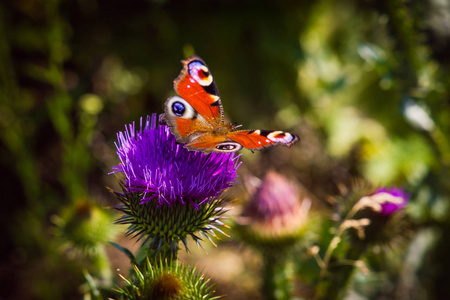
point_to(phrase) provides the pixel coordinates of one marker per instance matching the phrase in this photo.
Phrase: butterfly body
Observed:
(197, 120)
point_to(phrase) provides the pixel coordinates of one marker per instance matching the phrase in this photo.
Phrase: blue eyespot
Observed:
(178, 108)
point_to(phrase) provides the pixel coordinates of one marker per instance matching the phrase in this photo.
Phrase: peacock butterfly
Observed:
(196, 117)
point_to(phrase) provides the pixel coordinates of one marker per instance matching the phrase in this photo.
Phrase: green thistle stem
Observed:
(335, 241)
(334, 284)
(337, 269)
(166, 253)
(276, 277)
(100, 265)
(333, 287)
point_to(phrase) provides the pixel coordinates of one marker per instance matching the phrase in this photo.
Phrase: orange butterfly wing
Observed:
(196, 85)
(258, 139)
(184, 121)
(209, 142)
(235, 140)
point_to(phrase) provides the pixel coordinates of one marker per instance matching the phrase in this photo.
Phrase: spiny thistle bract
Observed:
(169, 192)
(166, 225)
(166, 281)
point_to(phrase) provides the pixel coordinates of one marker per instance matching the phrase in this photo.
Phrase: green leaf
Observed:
(93, 287)
(126, 252)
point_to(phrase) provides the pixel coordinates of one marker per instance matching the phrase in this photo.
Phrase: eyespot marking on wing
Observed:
(258, 139)
(228, 147)
(200, 73)
(281, 137)
(275, 136)
(178, 107)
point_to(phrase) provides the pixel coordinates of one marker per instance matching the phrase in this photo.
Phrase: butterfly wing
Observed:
(258, 139)
(211, 142)
(234, 141)
(195, 84)
(185, 123)
(199, 109)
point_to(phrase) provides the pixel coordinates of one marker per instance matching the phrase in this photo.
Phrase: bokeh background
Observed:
(364, 83)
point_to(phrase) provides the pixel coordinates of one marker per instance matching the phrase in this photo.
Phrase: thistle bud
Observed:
(166, 281)
(274, 215)
(272, 222)
(82, 229)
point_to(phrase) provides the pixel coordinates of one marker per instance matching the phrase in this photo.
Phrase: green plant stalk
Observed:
(166, 253)
(402, 25)
(335, 241)
(75, 159)
(334, 283)
(11, 131)
(277, 277)
(338, 268)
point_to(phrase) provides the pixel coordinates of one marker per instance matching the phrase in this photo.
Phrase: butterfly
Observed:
(196, 116)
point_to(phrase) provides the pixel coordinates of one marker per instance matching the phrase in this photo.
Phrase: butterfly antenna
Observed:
(236, 126)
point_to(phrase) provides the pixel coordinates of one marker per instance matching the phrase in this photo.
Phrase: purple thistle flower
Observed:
(156, 165)
(275, 208)
(396, 199)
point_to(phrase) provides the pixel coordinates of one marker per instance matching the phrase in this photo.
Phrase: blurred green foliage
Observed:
(364, 83)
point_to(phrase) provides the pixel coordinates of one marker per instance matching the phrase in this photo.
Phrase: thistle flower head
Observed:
(274, 214)
(169, 192)
(374, 217)
(157, 166)
(391, 199)
(275, 202)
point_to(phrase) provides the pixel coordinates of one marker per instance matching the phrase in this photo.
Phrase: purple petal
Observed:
(388, 208)
(155, 164)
